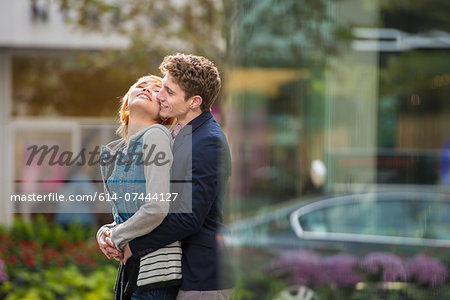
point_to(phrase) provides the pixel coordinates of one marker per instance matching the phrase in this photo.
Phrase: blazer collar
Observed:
(190, 127)
(197, 122)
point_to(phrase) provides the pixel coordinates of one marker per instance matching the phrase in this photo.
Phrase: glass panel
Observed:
(436, 219)
(411, 217)
(371, 218)
(314, 221)
(360, 87)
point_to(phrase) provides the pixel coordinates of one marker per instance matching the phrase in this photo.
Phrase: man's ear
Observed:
(196, 102)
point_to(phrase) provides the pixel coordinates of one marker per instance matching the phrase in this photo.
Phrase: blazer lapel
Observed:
(178, 142)
(186, 131)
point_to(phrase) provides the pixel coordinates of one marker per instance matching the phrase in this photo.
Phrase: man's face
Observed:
(171, 98)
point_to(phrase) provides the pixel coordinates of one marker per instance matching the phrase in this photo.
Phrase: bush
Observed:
(42, 260)
(338, 276)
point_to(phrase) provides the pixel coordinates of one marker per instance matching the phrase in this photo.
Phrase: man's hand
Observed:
(126, 254)
(107, 246)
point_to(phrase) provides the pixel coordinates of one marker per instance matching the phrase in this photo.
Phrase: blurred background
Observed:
(337, 114)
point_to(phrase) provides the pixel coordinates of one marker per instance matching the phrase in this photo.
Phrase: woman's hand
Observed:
(107, 246)
(126, 254)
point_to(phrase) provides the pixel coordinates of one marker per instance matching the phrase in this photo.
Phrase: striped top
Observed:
(159, 268)
(161, 265)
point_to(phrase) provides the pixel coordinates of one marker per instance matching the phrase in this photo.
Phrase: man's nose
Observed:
(159, 96)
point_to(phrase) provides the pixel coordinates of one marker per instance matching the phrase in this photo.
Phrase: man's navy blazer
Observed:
(206, 179)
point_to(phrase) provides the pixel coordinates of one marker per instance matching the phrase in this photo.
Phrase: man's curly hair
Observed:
(196, 75)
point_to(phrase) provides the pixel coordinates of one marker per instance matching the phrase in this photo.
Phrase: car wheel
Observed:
(297, 292)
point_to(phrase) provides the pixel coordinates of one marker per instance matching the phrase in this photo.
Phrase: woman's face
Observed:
(142, 98)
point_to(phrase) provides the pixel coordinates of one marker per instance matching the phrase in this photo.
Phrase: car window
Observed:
(435, 217)
(412, 218)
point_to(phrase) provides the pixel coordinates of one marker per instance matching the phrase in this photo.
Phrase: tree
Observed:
(90, 83)
(157, 27)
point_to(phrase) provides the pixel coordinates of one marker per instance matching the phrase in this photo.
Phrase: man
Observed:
(190, 86)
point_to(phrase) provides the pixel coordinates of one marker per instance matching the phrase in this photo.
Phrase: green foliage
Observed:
(270, 287)
(273, 33)
(158, 26)
(57, 283)
(45, 261)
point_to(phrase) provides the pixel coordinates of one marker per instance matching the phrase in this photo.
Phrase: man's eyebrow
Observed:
(169, 89)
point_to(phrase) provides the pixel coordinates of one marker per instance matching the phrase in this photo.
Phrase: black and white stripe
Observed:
(161, 265)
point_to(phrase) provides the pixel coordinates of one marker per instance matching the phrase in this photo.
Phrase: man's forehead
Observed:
(169, 81)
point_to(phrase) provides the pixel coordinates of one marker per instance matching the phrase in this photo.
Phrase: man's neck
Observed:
(191, 115)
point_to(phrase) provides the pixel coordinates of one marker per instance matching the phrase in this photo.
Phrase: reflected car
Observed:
(349, 241)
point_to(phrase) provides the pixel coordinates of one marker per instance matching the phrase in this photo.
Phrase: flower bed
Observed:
(376, 275)
(42, 260)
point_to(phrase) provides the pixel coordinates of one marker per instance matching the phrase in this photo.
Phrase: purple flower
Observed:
(339, 269)
(389, 265)
(426, 270)
(304, 266)
(3, 275)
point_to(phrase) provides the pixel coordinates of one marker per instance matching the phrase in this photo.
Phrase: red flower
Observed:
(12, 260)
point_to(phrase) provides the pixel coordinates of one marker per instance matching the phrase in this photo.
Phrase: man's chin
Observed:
(164, 116)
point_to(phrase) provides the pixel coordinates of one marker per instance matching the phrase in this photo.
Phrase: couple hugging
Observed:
(165, 235)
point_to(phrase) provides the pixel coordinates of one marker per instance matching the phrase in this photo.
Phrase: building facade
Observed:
(40, 53)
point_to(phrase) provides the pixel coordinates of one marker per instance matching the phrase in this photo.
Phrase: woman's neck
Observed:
(135, 124)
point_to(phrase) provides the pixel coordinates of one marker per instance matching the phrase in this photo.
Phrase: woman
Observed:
(135, 184)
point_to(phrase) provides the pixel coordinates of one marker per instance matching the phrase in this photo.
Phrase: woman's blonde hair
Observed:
(124, 113)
